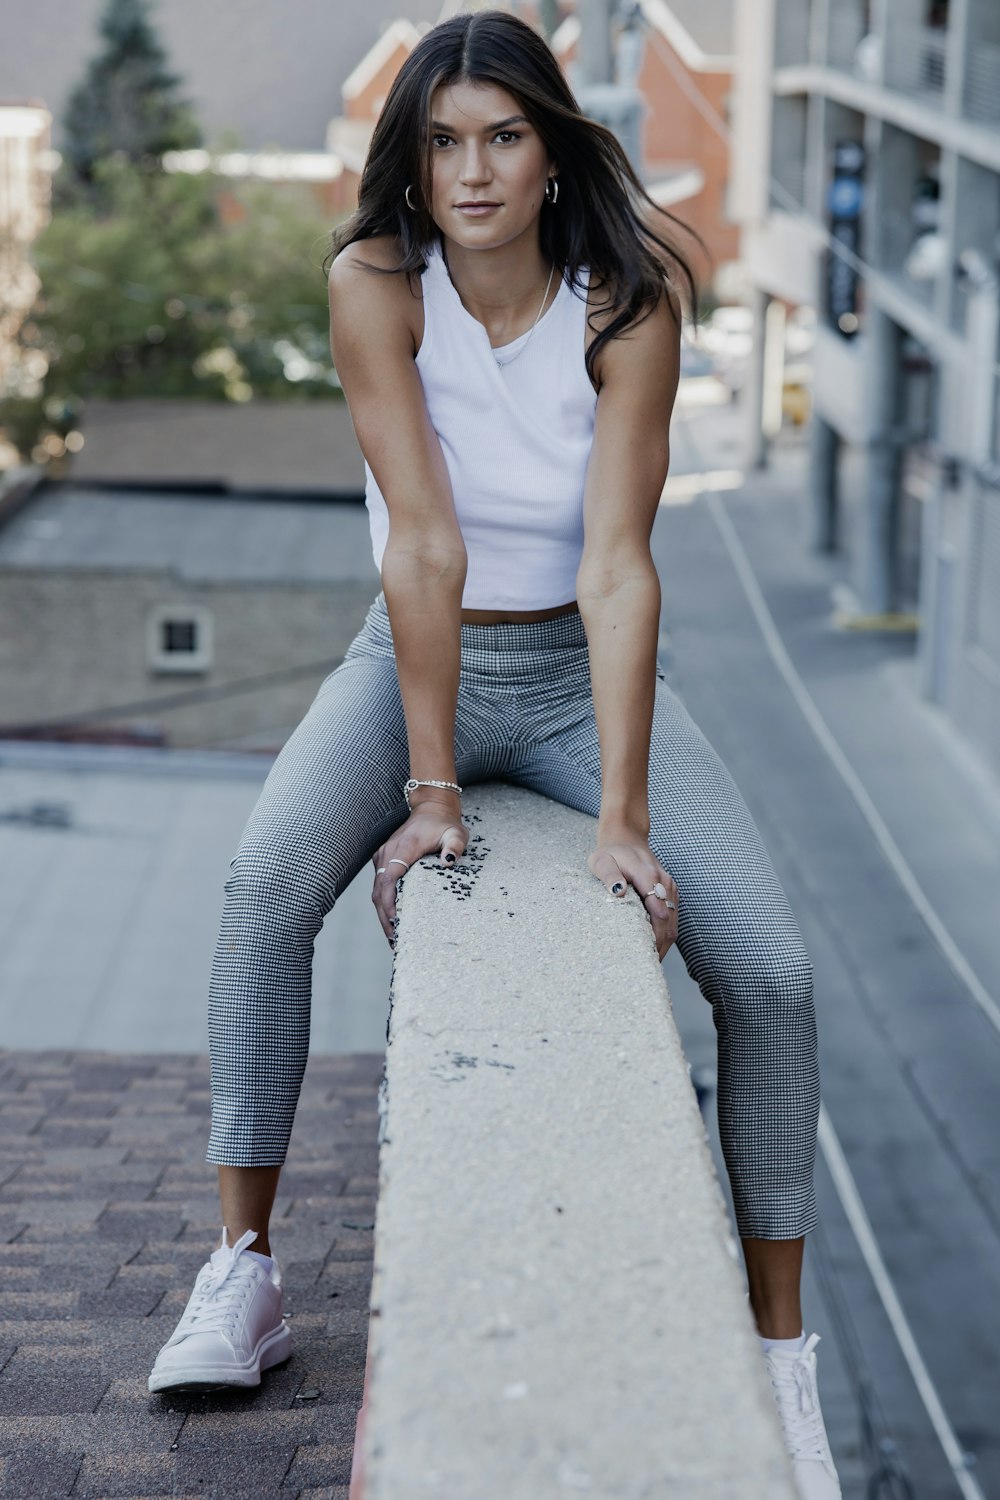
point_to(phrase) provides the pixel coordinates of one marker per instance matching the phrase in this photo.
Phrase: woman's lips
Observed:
(477, 210)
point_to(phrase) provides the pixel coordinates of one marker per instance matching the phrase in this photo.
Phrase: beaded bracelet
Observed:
(413, 783)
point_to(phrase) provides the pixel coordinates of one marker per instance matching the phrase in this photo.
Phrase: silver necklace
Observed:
(500, 363)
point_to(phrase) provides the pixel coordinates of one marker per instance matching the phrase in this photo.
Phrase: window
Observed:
(179, 638)
(180, 635)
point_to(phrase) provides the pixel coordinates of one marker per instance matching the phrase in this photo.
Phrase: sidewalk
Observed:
(106, 1214)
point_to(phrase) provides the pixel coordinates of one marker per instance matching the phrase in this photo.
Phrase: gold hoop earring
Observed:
(406, 195)
(553, 183)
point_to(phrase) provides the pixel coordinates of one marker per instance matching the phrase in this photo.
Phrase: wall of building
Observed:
(75, 643)
(911, 394)
(675, 131)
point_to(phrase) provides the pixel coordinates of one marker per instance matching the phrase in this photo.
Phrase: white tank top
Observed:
(516, 442)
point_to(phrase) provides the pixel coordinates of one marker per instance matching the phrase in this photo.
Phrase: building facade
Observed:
(175, 616)
(866, 181)
(679, 58)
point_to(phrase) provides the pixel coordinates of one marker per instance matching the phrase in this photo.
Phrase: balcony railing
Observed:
(982, 84)
(899, 254)
(788, 184)
(791, 42)
(915, 60)
(846, 29)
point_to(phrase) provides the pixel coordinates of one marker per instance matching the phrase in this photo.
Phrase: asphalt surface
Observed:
(910, 1062)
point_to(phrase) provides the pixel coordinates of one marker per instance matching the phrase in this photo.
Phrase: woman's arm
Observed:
(424, 565)
(618, 589)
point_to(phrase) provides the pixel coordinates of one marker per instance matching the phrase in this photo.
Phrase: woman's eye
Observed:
(501, 135)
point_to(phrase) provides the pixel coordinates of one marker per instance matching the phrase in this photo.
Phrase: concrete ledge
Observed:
(556, 1304)
(16, 488)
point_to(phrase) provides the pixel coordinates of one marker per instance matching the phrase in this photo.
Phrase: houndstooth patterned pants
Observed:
(525, 715)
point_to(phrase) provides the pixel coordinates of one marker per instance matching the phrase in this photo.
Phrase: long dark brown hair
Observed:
(604, 216)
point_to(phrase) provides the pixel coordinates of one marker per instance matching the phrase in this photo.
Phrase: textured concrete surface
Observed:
(556, 1303)
(106, 1213)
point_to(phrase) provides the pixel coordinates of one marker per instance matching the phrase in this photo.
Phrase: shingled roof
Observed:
(106, 1213)
(252, 445)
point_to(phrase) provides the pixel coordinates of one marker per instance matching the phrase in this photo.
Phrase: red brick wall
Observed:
(675, 132)
(676, 135)
(367, 104)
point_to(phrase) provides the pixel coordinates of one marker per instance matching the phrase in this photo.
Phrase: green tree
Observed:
(127, 101)
(155, 296)
(550, 17)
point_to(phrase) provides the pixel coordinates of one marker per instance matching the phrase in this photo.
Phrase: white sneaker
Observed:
(793, 1380)
(232, 1327)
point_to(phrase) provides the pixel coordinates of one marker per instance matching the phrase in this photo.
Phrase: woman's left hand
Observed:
(628, 858)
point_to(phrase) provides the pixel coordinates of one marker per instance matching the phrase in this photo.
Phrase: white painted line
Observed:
(821, 730)
(850, 1198)
(680, 488)
(833, 1153)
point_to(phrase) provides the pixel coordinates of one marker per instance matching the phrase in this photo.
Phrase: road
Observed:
(905, 824)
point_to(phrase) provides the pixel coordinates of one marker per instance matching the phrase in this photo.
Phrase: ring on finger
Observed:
(659, 889)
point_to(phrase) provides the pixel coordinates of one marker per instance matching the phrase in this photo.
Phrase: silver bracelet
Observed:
(413, 783)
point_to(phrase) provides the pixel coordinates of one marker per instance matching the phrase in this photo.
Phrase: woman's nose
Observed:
(475, 167)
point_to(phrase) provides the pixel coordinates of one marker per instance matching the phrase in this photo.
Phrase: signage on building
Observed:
(844, 205)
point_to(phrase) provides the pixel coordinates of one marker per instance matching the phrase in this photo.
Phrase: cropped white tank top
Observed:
(516, 442)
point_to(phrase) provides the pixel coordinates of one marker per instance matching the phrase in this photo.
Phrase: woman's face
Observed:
(489, 166)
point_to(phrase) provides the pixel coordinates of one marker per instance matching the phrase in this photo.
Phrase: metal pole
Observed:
(824, 464)
(752, 395)
(884, 463)
(596, 61)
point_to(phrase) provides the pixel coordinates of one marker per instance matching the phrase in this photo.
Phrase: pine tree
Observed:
(550, 16)
(127, 101)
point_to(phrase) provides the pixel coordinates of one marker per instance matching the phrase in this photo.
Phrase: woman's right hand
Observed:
(434, 826)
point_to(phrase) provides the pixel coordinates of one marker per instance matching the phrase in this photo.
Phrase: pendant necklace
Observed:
(500, 363)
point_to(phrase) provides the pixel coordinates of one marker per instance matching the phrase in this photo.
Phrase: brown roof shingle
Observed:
(99, 1243)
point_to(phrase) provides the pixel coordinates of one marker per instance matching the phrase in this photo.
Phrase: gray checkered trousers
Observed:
(525, 714)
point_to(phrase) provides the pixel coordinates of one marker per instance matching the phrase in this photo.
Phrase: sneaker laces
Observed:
(219, 1292)
(794, 1382)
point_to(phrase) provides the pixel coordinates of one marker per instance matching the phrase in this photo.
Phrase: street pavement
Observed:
(910, 1061)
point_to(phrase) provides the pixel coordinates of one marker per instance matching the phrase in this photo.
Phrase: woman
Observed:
(505, 326)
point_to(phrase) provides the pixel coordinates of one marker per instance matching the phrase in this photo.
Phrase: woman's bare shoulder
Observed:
(360, 289)
(382, 251)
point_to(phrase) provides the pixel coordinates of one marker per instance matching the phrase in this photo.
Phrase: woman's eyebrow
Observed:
(487, 129)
